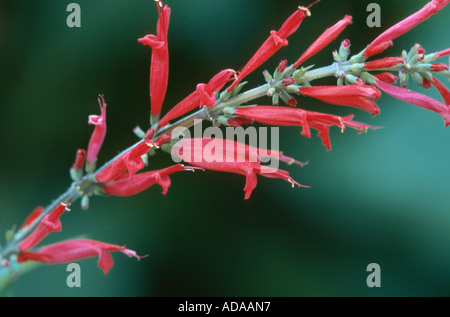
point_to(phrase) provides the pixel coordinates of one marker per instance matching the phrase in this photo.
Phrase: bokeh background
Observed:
(379, 197)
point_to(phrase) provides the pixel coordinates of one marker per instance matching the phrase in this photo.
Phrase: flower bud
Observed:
(417, 78)
(228, 111)
(404, 79)
(275, 99)
(288, 81)
(438, 67)
(287, 98)
(357, 67)
(271, 91)
(352, 79)
(85, 202)
(280, 69)
(288, 71)
(336, 56)
(344, 49)
(298, 74)
(139, 132)
(267, 76)
(293, 89)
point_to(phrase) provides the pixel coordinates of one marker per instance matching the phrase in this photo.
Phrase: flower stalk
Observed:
(358, 85)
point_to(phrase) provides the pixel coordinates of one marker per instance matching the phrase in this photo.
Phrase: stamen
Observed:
(342, 125)
(308, 13)
(66, 205)
(235, 74)
(292, 182)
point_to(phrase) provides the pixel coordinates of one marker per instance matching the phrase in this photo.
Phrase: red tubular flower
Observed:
(443, 91)
(438, 67)
(384, 40)
(425, 83)
(239, 121)
(49, 224)
(99, 132)
(442, 53)
(227, 156)
(159, 69)
(73, 250)
(383, 63)
(387, 77)
(140, 182)
(282, 66)
(79, 159)
(350, 95)
(264, 154)
(283, 116)
(32, 217)
(288, 81)
(326, 38)
(204, 95)
(130, 161)
(416, 99)
(273, 43)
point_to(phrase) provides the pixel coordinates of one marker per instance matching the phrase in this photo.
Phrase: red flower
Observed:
(425, 83)
(79, 159)
(99, 132)
(442, 53)
(283, 116)
(204, 95)
(288, 81)
(383, 63)
(282, 66)
(384, 40)
(326, 38)
(273, 43)
(227, 156)
(49, 224)
(239, 121)
(416, 99)
(351, 95)
(438, 67)
(32, 217)
(73, 250)
(445, 93)
(76, 171)
(387, 77)
(130, 161)
(140, 182)
(159, 69)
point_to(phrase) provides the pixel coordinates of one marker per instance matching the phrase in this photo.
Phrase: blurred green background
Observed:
(379, 197)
